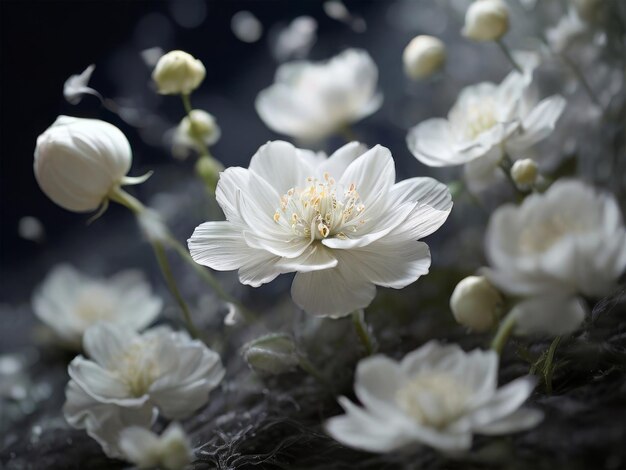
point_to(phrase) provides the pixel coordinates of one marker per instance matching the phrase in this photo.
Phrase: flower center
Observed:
(95, 302)
(137, 367)
(321, 209)
(433, 399)
(479, 118)
(538, 238)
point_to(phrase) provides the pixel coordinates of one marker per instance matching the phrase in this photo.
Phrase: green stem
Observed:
(548, 368)
(509, 56)
(314, 372)
(358, 319)
(504, 331)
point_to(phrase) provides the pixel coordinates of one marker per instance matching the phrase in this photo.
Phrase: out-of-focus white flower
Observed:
(486, 20)
(570, 239)
(271, 354)
(178, 73)
(296, 40)
(76, 86)
(79, 161)
(524, 172)
(246, 27)
(69, 302)
(31, 228)
(130, 376)
(476, 304)
(312, 100)
(437, 396)
(199, 126)
(423, 56)
(341, 223)
(567, 31)
(151, 56)
(550, 314)
(486, 122)
(145, 449)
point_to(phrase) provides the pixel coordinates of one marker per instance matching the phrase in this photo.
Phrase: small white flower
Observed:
(570, 239)
(79, 161)
(486, 20)
(201, 127)
(486, 122)
(437, 396)
(567, 31)
(524, 172)
(312, 100)
(178, 73)
(423, 56)
(476, 304)
(76, 86)
(341, 223)
(129, 376)
(170, 451)
(69, 302)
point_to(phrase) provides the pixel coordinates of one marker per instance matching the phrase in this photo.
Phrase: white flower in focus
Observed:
(312, 100)
(486, 20)
(145, 449)
(438, 396)
(423, 56)
(79, 161)
(178, 73)
(69, 302)
(202, 127)
(524, 172)
(341, 223)
(129, 376)
(486, 122)
(570, 239)
(76, 86)
(476, 304)
(567, 32)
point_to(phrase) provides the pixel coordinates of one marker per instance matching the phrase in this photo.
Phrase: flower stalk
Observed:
(504, 332)
(505, 50)
(362, 331)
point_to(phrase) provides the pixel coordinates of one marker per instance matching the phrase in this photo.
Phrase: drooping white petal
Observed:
(538, 124)
(317, 258)
(550, 314)
(505, 401)
(519, 420)
(230, 183)
(430, 142)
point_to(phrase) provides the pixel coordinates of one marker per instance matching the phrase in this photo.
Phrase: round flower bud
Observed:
(178, 73)
(271, 354)
(200, 125)
(423, 56)
(486, 20)
(78, 162)
(475, 303)
(208, 168)
(524, 172)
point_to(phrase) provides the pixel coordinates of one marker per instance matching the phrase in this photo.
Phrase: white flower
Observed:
(476, 304)
(341, 223)
(201, 127)
(486, 20)
(129, 376)
(436, 396)
(69, 302)
(313, 100)
(570, 239)
(178, 72)
(423, 56)
(486, 122)
(76, 86)
(79, 161)
(524, 172)
(145, 449)
(567, 31)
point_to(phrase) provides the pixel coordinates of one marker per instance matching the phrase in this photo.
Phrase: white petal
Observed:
(280, 164)
(104, 341)
(284, 246)
(316, 258)
(137, 307)
(340, 160)
(100, 383)
(140, 446)
(484, 172)
(519, 420)
(364, 431)
(260, 268)
(331, 292)
(432, 143)
(230, 183)
(378, 379)
(538, 124)
(506, 400)
(550, 314)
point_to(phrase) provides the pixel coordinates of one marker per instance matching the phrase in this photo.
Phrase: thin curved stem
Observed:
(362, 331)
(504, 332)
(583, 81)
(505, 50)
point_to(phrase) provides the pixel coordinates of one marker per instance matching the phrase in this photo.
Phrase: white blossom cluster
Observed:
(343, 225)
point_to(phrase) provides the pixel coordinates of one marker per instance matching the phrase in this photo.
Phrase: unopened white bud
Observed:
(486, 20)
(524, 172)
(200, 125)
(178, 73)
(271, 354)
(423, 56)
(475, 303)
(208, 168)
(78, 162)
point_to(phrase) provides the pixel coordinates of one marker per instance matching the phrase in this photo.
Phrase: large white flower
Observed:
(130, 377)
(341, 223)
(69, 302)
(312, 100)
(567, 241)
(436, 396)
(486, 122)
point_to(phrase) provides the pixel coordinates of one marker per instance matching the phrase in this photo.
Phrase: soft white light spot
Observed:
(246, 27)
(188, 13)
(31, 228)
